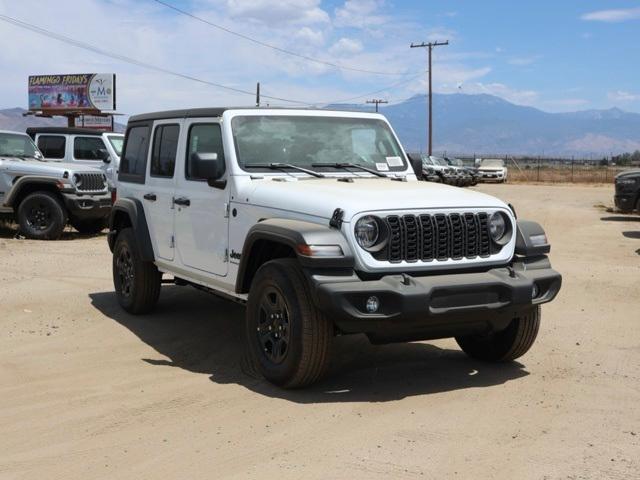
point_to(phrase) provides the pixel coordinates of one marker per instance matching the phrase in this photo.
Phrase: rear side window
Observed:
(134, 158)
(203, 138)
(88, 148)
(52, 146)
(165, 148)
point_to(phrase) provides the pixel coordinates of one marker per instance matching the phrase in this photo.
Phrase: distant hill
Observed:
(13, 119)
(488, 124)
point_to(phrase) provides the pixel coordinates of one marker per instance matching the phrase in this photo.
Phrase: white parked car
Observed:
(316, 222)
(492, 170)
(81, 146)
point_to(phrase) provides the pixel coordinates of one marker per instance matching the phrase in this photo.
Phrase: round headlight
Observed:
(367, 231)
(497, 226)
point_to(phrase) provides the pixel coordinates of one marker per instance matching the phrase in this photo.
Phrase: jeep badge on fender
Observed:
(332, 233)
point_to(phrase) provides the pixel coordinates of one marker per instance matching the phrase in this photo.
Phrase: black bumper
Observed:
(624, 201)
(83, 207)
(436, 306)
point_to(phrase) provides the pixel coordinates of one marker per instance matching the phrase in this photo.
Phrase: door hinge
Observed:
(226, 210)
(172, 242)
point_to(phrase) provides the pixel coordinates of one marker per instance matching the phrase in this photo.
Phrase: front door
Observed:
(201, 223)
(159, 188)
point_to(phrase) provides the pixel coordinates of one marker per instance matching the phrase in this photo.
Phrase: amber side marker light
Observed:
(319, 250)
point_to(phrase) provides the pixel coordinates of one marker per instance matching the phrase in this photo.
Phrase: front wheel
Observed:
(289, 338)
(137, 282)
(505, 345)
(41, 216)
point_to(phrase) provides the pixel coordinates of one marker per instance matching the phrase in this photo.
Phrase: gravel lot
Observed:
(88, 392)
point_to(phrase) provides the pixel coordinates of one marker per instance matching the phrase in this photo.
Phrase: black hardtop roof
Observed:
(217, 112)
(64, 130)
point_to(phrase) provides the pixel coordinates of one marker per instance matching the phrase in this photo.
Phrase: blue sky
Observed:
(557, 56)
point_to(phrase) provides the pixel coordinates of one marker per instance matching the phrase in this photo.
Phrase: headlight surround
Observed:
(500, 228)
(370, 233)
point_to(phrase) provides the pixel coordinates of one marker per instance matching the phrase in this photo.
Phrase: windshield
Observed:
(439, 161)
(17, 145)
(492, 163)
(116, 142)
(306, 141)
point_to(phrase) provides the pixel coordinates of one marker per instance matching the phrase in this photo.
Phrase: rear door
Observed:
(160, 185)
(201, 223)
(87, 150)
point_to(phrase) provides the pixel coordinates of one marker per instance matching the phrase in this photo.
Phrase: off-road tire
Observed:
(41, 216)
(507, 344)
(638, 206)
(137, 283)
(91, 226)
(309, 335)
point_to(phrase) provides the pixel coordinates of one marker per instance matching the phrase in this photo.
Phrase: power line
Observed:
(275, 47)
(368, 94)
(133, 61)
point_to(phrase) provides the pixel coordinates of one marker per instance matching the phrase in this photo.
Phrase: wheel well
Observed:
(261, 252)
(121, 220)
(30, 188)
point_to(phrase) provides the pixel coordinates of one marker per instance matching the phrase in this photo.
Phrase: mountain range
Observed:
(475, 124)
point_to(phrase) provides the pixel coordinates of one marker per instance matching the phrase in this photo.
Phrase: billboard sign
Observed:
(96, 122)
(73, 93)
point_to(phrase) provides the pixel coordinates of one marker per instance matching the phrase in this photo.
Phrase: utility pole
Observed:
(430, 46)
(377, 102)
(258, 94)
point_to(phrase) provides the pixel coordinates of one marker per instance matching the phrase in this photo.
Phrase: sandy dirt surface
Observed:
(89, 392)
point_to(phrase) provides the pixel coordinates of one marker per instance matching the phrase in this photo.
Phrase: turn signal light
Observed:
(320, 250)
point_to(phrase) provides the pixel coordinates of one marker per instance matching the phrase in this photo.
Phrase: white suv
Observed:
(316, 221)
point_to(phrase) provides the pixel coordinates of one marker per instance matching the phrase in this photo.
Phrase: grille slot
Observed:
(90, 182)
(436, 237)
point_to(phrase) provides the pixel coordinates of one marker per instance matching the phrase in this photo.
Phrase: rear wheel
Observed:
(90, 226)
(41, 216)
(137, 282)
(289, 338)
(507, 344)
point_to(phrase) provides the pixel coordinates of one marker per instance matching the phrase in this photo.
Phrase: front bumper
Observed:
(491, 176)
(86, 206)
(436, 306)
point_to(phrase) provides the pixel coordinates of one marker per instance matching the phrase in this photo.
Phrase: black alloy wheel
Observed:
(273, 331)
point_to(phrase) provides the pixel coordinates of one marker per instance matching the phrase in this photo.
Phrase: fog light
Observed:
(373, 304)
(535, 291)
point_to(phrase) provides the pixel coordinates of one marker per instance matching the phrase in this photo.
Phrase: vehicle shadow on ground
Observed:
(634, 235)
(621, 218)
(9, 231)
(200, 333)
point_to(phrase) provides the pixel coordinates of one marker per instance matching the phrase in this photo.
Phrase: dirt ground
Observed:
(89, 392)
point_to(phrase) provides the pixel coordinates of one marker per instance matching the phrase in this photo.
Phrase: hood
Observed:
(628, 173)
(320, 197)
(36, 167)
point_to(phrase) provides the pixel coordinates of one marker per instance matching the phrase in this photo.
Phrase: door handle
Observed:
(150, 196)
(182, 201)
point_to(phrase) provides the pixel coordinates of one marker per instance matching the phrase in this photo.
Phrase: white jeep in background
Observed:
(492, 170)
(43, 196)
(82, 146)
(316, 222)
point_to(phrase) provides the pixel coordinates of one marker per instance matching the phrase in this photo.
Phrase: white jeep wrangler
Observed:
(316, 221)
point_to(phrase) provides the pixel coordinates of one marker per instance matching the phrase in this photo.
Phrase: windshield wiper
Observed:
(349, 165)
(284, 166)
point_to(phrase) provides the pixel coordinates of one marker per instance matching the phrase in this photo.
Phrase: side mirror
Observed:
(209, 167)
(416, 163)
(103, 155)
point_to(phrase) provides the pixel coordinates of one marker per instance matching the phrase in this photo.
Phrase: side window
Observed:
(203, 138)
(52, 146)
(88, 148)
(134, 156)
(165, 148)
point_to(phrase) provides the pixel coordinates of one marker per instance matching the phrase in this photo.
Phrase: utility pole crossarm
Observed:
(430, 46)
(377, 102)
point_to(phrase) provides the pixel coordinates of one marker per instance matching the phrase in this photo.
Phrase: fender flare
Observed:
(525, 247)
(26, 180)
(293, 233)
(133, 209)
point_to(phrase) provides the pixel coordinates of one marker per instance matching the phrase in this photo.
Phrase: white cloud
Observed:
(359, 14)
(523, 61)
(614, 15)
(623, 96)
(310, 36)
(268, 12)
(348, 46)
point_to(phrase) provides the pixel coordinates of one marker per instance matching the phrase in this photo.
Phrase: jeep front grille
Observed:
(90, 182)
(441, 237)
